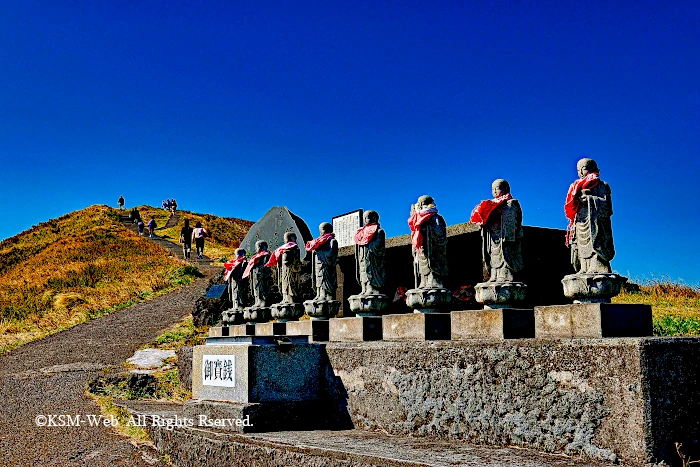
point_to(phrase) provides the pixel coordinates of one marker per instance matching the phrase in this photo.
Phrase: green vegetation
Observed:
(675, 307)
(75, 268)
(182, 334)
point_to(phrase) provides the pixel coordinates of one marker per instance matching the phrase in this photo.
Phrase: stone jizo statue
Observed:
(325, 257)
(501, 221)
(428, 243)
(234, 277)
(260, 276)
(369, 255)
(287, 258)
(589, 208)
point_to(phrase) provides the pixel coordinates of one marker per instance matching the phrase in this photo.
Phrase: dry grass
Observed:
(225, 233)
(675, 307)
(83, 265)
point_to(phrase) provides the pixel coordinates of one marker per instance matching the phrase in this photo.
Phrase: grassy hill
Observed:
(77, 267)
(225, 233)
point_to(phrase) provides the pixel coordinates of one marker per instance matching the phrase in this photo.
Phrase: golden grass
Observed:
(675, 307)
(225, 233)
(83, 265)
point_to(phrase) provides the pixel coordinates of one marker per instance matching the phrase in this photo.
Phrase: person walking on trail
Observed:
(140, 226)
(152, 227)
(198, 235)
(121, 202)
(186, 239)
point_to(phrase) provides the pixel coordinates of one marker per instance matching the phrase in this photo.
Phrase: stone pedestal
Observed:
(317, 330)
(592, 288)
(368, 305)
(593, 320)
(255, 384)
(237, 330)
(495, 295)
(416, 327)
(271, 329)
(358, 329)
(428, 300)
(256, 314)
(321, 309)
(503, 323)
(284, 312)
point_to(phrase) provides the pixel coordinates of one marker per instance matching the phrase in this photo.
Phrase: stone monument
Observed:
(501, 222)
(237, 286)
(589, 208)
(324, 250)
(287, 258)
(260, 282)
(369, 266)
(271, 228)
(429, 247)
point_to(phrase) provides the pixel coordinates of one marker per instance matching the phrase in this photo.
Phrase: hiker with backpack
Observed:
(198, 235)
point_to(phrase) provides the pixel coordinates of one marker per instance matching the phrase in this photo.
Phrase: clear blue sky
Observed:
(326, 107)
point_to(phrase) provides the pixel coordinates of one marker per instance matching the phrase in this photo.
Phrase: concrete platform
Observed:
(594, 320)
(270, 329)
(357, 329)
(316, 329)
(502, 323)
(416, 327)
(196, 446)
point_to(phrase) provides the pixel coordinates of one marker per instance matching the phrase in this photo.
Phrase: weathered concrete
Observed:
(606, 399)
(316, 329)
(357, 329)
(502, 323)
(184, 366)
(263, 373)
(236, 330)
(593, 320)
(416, 327)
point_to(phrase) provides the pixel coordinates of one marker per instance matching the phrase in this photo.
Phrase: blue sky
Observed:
(326, 107)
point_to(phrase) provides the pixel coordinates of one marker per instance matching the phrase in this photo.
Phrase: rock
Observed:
(150, 358)
(207, 311)
(142, 380)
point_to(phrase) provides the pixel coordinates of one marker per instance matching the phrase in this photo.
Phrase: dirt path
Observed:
(49, 376)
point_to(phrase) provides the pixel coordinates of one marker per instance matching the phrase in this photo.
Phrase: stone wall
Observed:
(546, 258)
(606, 399)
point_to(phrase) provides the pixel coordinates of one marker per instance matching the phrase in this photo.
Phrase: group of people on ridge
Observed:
(169, 205)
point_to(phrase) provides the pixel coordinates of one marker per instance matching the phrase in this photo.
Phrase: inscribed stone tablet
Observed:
(345, 227)
(219, 370)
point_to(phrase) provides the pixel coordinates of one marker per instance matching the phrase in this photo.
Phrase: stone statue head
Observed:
(586, 166)
(260, 245)
(500, 187)
(240, 251)
(425, 202)
(325, 228)
(290, 237)
(371, 216)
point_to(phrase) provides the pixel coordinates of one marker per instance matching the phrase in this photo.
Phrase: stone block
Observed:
(317, 330)
(416, 327)
(239, 330)
(270, 329)
(358, 329)
(502, 323)
(593, 320)
(257, 373)
(184, 366)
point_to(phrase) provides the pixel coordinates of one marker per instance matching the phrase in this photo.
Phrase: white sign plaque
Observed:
(219, 370)
(345, 227)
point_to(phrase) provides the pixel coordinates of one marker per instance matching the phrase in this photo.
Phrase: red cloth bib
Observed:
(482, 211)
(231, 265)
(417, 219)
(277, 254)
(365, 234)
(320, 241)
(573, 200)
(254, 261)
